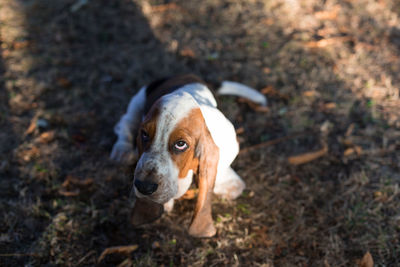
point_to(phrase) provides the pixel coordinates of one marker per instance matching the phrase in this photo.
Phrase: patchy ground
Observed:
(329, 68)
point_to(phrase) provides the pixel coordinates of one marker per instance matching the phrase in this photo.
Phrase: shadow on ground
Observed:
(69, 72)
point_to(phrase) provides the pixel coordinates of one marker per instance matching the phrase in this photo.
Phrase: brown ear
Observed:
(202, 222)
(145, 211)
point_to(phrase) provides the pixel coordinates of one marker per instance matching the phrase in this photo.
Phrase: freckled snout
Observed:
(146, 188)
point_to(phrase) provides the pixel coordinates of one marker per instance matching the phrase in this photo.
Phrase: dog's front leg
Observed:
(124, 149)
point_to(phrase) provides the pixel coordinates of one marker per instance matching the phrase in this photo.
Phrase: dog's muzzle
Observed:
(145, 188)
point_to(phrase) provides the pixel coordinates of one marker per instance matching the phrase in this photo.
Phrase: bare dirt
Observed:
(330, 70)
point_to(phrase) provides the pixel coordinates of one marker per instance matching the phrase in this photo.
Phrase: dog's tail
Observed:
(238, 89)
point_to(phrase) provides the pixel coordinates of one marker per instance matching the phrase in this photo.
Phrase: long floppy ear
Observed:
(202, 222)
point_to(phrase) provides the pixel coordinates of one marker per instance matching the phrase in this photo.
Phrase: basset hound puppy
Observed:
(175, 132)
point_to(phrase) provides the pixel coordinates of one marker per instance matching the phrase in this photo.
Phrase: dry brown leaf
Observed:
(330, 105)
(271, 91)
(63, 82)
(240, 130)
(310, 93)
(328, 41)
(32, 127)
(46, 137)
(328, 14)
(187, 52)
(349, 130)
(21, 44)
(356, 149)
(69, 193)
(126, 263)
(307, 157)
(366, 261)
(70, 180)
(253, 106)
(165, 7)
(119, 249)
(31, 153)
(266, 70)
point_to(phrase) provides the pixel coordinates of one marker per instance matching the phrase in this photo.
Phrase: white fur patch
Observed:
(184, 184)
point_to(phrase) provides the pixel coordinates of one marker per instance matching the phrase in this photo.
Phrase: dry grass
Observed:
(330, 70)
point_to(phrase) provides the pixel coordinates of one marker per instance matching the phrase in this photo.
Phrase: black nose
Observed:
(145, 188)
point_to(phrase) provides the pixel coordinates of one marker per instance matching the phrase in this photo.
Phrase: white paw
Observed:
(229, 185)
(231, 190)
(123, 152)
(169, 205)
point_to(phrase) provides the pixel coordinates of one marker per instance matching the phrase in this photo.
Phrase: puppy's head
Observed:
(168, 148)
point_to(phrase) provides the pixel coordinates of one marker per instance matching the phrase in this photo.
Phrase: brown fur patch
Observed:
(202, 223)
(149, 125)
(190, 129)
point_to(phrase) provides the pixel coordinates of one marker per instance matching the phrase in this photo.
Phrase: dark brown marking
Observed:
(167, 85)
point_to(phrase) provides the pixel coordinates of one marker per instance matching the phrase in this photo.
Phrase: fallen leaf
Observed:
(266, 70)
(352, 150)
(240, 130)
(308, 157)
(69, 193)
(70, 180)
(366, 261)
(21, 44)
(328, 41)
(164, 7)
(126, 263)
(330, 105)
(253, 106)
(32, 127)
(119, 249)
(155, 245)
(187, 52)
(271, 91)
(328, 14)
(349, 130)
(63, 82)
(31, 153)
(310, 93)
(46, 137)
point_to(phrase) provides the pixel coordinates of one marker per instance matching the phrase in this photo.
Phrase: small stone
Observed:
(42, 124)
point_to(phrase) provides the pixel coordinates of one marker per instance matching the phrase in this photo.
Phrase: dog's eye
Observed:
(180, 146)
(145, 136)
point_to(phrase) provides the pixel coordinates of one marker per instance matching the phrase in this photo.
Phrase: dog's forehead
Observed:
(172, 109)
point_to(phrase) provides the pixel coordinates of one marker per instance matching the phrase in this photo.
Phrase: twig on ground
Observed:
(90, 253)
(119, 249)
(308, 157)
(271, 142)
